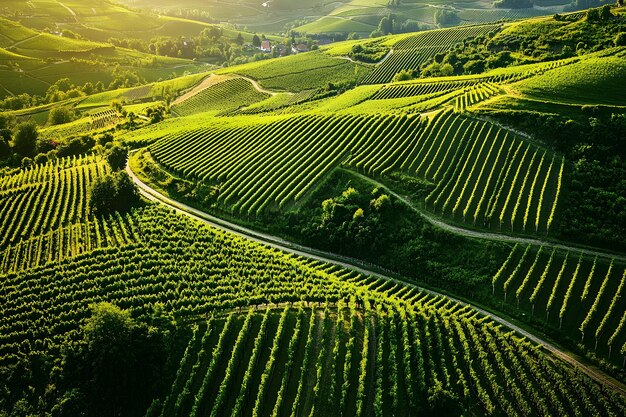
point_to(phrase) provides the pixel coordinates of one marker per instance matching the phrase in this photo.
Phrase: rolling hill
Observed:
(426, 223)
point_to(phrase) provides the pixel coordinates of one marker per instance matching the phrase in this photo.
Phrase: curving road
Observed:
(488, 235)
(358, 266)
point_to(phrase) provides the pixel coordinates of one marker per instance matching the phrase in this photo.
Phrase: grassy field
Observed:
(582, 82)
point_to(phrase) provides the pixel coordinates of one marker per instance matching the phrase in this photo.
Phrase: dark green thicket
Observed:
(351, 216)
(111, 193)
(116, 366)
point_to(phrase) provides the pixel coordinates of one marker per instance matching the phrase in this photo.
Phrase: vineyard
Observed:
(288, 233)
(300, 72)
(67, 242)
(223, 97)
(410, 52)
(475, 94)
(578, 294)
(373, 345)
(102, 119)
(45, 197)
(482, 172)
(305, 149)
(278, 101)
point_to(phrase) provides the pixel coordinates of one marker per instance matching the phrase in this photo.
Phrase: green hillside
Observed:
(431, 222)
(583, 82)
(371, 333)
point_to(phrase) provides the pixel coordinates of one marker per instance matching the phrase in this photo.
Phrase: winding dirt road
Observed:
(488, 235)
(360, 267)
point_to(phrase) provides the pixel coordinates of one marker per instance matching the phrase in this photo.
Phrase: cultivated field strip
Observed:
(279, 101)
(581, 295)
(411, 52)
(46, 197)
(276, 164)
(475, 94)
(482, 173)
(103, 119)
(69, 241)
(324, 339)
(378, 354)
(223, 97)
(422, 88)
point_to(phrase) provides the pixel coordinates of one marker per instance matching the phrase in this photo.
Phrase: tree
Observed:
(116, 156)
(116, 368)
(385, 26)
(41, 158)
(620, 39)
(256, 41)
(513, 4)
(60, 115)
(444, 17)
(405, 75)
(5, 149)
(25, 138)
(89, 88)
(113, 192)
(156, 114)
(64, 84)
(103, 195)
(605, 13)
(127, 193)
(239, 39)
(593, 15)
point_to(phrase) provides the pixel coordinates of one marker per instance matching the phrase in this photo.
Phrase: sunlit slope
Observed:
(578, 294)
(353, 342)
(585, 82)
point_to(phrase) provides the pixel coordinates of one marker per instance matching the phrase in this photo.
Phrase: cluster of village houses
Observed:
(266, 46)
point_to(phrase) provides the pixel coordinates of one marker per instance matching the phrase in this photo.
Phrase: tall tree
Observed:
(25, 139)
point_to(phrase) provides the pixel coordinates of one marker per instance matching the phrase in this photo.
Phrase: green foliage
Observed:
(60, 115)
(25, 138)
(513, 4)
(116, 156)
(113, 192)
(405, 75)
(115, 369)
(370, 53)
(74, 146)
(445, 17)
(421, 49)
(620, 39)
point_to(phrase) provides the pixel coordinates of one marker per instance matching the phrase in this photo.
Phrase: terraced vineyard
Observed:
(421, 88)
(476, 166)
(300, 72)
(250, 363)
(410, 52)
(374, 345)
(278, 101)
(223, 97)
(577, 293)
(45, 197)
(103, 119)
(475, 94)
(480, 187)
(69, 241)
